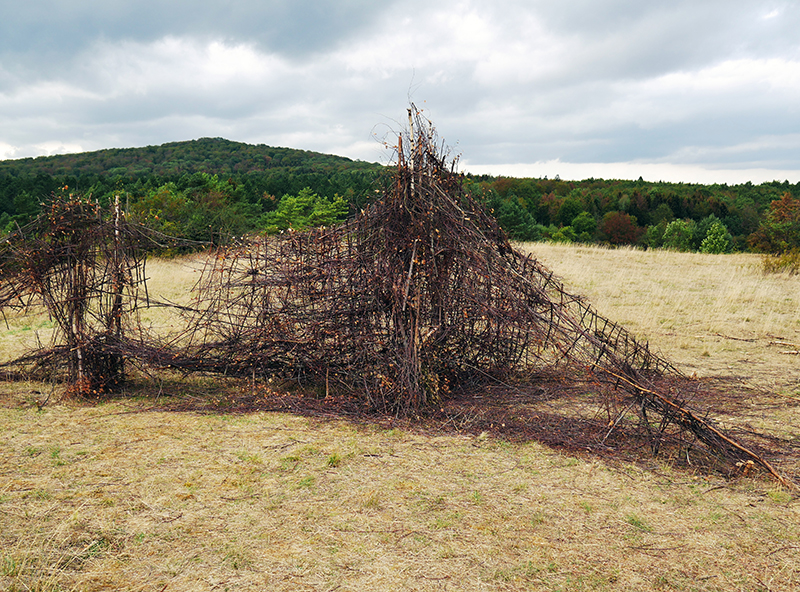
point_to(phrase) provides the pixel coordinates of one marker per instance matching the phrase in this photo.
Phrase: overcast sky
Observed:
(695, 90)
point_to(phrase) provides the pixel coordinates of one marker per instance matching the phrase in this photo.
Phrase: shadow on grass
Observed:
(562, 414)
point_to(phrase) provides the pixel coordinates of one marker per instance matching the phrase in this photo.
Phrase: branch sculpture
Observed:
(87, 272)
(416, 298)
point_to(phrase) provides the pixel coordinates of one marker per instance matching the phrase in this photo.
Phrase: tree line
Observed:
(202, 190)
(212, 189)
(680, 216)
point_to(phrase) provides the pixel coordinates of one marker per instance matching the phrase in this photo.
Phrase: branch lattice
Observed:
(417, 298)
(88, 272)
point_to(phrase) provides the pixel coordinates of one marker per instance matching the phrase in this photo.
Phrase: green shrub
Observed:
(717, 240)
(584, 224)
(678, 235)
(654, 235)
(564, 235)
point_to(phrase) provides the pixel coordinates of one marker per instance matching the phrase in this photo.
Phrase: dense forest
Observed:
(673, 215)
(211, 189)
(204, 190)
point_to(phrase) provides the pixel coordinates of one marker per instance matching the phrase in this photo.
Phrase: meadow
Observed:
(712, 315)
(159, 490)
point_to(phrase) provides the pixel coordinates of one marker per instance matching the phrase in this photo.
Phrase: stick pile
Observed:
(419, 296)
(87, 271)
(416, 296)
(415, 299)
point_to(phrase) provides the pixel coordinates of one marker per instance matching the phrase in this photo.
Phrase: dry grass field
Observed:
(713, 315)
(154, 491)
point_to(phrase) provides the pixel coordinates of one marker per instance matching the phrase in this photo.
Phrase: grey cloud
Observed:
(634, 39)
(577, 80)
(43, 34)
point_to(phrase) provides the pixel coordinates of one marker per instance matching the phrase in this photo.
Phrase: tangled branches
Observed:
(419, 294)
(87, 272)
(417, 298)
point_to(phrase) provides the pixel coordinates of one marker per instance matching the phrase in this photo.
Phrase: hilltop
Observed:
(203, 184)
(209, 155)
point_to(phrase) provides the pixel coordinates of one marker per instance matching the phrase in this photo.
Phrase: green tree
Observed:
(585, 226)
(678, 235)
(304, 210)
(662, 213)
(203, 211)
(717, 240)
(700, 231)
(164, 209)
(569, 209)
(518, 222)
(654, 236)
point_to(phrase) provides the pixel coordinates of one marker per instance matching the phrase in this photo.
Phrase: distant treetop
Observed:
(212, 155)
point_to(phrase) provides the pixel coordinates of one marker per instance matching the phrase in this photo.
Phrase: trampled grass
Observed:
(126, 494)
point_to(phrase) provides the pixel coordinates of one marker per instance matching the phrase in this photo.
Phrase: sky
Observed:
(686, 91)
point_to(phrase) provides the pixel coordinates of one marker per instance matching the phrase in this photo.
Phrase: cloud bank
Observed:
(578, 88)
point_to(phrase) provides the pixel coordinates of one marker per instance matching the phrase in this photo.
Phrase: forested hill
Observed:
(202, 189)
(212, 188)
(208, 155)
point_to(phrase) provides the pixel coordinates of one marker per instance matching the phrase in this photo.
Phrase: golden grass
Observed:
(116, 496)
(713, 315)
(20, 333)
(168, 280)
(125, 495)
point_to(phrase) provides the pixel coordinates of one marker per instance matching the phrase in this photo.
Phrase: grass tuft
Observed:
(638, 523)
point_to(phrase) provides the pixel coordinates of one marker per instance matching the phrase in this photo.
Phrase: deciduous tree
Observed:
(779, 232)
(620, 228)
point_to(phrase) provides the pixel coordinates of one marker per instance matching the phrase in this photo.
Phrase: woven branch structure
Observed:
(417, 298)
(87, 271)
(416, 295)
